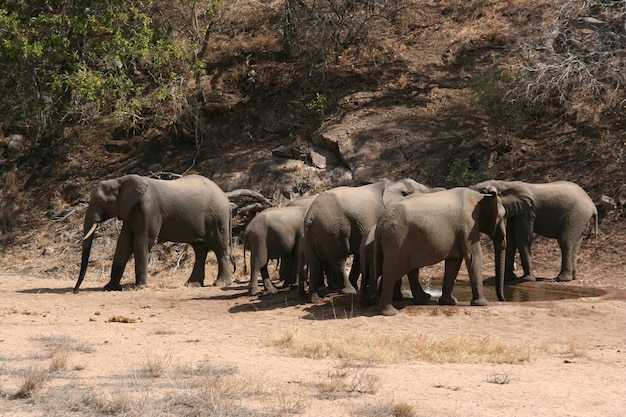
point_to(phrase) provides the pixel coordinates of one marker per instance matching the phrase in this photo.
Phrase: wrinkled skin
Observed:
(275, 233)
(561, 210)
(192, 209)
(423, 230)
(369, 290)
(336, 222)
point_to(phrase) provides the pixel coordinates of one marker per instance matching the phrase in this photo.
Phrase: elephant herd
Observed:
(390, 229)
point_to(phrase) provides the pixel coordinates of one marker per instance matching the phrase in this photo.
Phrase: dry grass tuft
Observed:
(288, 403)
(207, 370)
(59, 359)
(33, 380)
(116, 402)
(156, 365)
(385, 409)
(386, 348)
(343, 381)
(403, 410)
(56, 342)
(499, 378)
(576, 350)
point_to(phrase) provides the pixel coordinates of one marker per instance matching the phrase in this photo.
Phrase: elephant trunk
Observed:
(92, 220)
(499, 244)
(84, 261)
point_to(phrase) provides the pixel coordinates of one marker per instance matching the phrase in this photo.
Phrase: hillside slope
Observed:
(421, 103)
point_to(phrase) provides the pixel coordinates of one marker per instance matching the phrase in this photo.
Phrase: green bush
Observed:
(75, 61)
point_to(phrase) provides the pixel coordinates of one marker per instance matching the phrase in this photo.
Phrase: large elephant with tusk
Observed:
(191, 209)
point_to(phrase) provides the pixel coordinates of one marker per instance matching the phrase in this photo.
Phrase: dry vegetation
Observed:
(348, 345)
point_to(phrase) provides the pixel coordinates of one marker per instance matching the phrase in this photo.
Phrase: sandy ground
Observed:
(581, 372)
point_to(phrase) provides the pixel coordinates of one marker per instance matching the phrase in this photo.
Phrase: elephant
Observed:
(422, 230)
(368, 287)
(336, 222)
(192, 209)
(274, 233)
(560, 210)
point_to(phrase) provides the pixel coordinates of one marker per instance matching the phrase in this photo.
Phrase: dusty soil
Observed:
(580, 371)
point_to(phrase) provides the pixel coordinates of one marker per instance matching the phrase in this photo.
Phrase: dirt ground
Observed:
(579, 372)
(173, 350)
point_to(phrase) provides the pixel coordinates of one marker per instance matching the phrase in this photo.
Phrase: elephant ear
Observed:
(517, 198)
(132, 189)
(492, 214)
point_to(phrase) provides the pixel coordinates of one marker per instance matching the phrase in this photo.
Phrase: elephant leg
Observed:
(224, 276)
(474, 262)
(511, 248)
(267, 283)
(386, 297)
(569, 253)
(142, 246)
(355, 271)
(301, 270)
(316, 275)
(397, 290)
(123, 251)
(419, 295)
(523, 240)
(452, 266)
(338, 268)
(221, 248)
(288, 270)
(197, 274)
(253, 284)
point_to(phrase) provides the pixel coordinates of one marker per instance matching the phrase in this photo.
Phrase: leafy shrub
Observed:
(74, 61)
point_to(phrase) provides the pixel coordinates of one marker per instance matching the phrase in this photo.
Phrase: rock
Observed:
(324, 158)
(16, 144)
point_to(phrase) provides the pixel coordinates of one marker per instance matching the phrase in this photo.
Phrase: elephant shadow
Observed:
(345, 306)
(283, 298)
(491, 281)
(57, 290)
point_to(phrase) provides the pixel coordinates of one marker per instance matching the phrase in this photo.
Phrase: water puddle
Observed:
(526, 291)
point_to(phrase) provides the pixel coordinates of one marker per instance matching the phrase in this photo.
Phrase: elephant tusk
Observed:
(90, 232)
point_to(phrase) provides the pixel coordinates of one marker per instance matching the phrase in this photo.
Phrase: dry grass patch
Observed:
(345, 381)
(33, 380)
(499, 378)
(156, 365)
(288, 403)
(385, 409)
(59, 359)
(57, 342)
(197, 389)
(347, 344)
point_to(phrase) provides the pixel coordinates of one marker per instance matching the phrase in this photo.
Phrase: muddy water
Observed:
(527, 291)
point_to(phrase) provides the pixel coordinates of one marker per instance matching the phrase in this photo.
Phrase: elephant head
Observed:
(517, 197)
(110, 198)
(492, 222)
(397, 190)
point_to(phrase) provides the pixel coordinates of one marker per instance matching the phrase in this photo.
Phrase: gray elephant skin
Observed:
(275, 233)
(445, 226)
(369, 290)
(192, 209)
(561, 210)
(336, 222)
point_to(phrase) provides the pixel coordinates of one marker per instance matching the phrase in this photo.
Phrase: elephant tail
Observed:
(245, 264)
(594, 218)
(233, 260)
(376, 270)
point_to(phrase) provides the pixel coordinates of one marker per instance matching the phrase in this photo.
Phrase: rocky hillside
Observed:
(430, 99)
